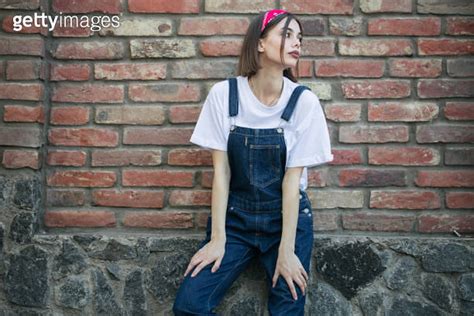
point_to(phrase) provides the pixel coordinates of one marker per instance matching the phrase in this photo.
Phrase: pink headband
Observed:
(270, 15)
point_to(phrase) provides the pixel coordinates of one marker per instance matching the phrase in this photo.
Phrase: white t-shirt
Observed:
(306, 133)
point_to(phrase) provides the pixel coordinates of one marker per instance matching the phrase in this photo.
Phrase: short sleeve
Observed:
(312, 144)
(209, 131)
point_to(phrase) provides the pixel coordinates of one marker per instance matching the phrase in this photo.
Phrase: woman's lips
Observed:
(295, 55)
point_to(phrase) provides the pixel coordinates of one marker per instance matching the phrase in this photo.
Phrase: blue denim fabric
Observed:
(257, 158)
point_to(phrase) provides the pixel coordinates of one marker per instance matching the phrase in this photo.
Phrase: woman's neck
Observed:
(267, 85)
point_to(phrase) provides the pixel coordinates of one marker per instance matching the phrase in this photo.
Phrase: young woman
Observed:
(264, 131)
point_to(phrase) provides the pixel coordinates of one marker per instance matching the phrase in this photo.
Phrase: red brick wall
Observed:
(106, 116)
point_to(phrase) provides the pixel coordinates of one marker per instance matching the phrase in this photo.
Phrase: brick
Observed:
(313, 26)
(445, 179)
(184, 114)
(444, 133)
(325, 221)
(379, 6)
(345, 26)
(402, 111)
(16, 159)
(375, 47)
(132, 115)
(460, 26)
(126, 157)
(206, 179)
(460, 200)
(460, 68)
(22, 5)
(242, 6)
(305, 68)
(459, 111)
(72, 158)
(404, 26)
(415, 68)
(127, 71)
(347, 157)
(318, 47)
(445, 88)
(157, 136)
(199, 69)
(88, 93)
(317, 178)
(378, 222)
(371, 178)
(79, 219)
(220, 47)
(157, 178)
(445, 6)
(349, 68)
(459, 156)
(21, 91)
(140, 26)
(372, 134)
(82, 178)
(205, 26)
(128, 198)
(72, 31)
(70, 72)
(69, 115)
(190, 198)
(21, 46)
(20, 113)
(322, 89)
(445, 47)
(86, 137)
(375, 89)
(8, 26)
(318, 7)
(336, 199)
(201, 219)
(65, 198)
(189, 157)
(163, 6)
(446, 223)
(87, 6)
(162, 48)
(404, 156)
(158, 219)
(21, 136)
(164, 92)
(90, 50)
(339, 112)
(412, 200)
(23, 69)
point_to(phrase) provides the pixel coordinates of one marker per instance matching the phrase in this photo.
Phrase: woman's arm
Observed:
(220, 193)
(291, 202)
(214, 250)
(288, 264)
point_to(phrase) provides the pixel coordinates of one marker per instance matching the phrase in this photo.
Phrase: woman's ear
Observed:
(261, 46)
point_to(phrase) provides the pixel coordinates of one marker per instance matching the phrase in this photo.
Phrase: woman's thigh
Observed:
(204, 291)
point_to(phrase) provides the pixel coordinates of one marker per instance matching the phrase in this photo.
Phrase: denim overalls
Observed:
(257, 159)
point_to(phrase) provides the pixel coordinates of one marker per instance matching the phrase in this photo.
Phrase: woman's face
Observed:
(269, 47)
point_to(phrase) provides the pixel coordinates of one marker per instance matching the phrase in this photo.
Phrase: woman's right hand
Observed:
(212, 251)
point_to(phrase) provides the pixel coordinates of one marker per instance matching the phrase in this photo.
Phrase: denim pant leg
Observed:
(200, 294)
(280, 300)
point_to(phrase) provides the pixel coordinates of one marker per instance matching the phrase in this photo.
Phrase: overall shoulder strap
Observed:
(290, 107)
(233, 97)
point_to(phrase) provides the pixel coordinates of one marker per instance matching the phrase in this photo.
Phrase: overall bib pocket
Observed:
(265, 166)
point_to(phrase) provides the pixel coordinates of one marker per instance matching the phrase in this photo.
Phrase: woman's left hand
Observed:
(290, 268)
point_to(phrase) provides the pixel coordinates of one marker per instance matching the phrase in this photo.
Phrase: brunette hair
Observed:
(248, 60)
